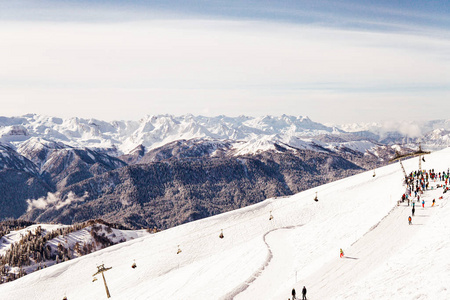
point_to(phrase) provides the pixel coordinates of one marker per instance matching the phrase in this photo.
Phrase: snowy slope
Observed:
(81, 237)
(260, 258)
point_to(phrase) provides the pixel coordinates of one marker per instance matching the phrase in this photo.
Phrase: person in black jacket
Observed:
(304, 293)
(293, 294)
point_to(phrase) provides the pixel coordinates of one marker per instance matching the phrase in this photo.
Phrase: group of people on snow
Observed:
(303, 294)
(418, 181)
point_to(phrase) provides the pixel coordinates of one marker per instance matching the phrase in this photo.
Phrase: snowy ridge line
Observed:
(258, 272)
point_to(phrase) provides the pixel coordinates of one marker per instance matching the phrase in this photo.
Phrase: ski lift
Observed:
(315, 198)
(221, 233)
(179, 250)
(271, 217)
(94, 279)
(134, 264)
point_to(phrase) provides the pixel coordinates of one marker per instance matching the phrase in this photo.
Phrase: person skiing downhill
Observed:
(293, 294)
(423, 203)
(409, 220)
(342, 253)
(413, 210)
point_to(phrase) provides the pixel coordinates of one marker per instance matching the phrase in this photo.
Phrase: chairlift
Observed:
(221, 233)
(179, 250)
(134, 264)
(271, 217)
(315, 198)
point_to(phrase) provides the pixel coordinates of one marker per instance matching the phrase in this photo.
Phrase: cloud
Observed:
(410, 129)
(53, 200)
(42, 202)
(181, 66)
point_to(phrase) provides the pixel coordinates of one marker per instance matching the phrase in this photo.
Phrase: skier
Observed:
(423, 203)
(342, 253)
(293, 294)
(413, 210)
(304, 293)
(433, 203)
(409, 220)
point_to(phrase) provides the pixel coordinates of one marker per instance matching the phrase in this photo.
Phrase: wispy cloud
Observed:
(125, 69)
(53, 200)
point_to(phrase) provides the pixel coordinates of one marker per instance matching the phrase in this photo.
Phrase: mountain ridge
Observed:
(152, 131)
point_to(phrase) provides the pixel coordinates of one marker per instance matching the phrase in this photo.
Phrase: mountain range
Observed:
(162, 171)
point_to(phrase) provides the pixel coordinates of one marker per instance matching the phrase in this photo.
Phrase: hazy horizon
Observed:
(352, 61)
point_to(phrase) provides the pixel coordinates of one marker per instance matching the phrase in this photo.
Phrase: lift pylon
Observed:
(102, 269)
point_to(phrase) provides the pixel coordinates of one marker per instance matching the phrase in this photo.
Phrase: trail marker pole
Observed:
(102, 269)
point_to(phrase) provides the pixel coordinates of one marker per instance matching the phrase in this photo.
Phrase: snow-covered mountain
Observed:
(122, 137)
(136, 173)
(40, 246)
(265, 258)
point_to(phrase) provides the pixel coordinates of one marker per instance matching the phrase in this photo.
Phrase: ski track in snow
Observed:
(258, 272)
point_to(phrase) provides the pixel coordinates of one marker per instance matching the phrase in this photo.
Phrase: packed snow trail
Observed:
(279, 264)
(377, 246)
(310, 245)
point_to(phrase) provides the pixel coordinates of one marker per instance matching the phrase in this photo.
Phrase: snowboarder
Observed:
(304, 293)
(409, 220)
(293, 294)
(342, 253)
(413, 210)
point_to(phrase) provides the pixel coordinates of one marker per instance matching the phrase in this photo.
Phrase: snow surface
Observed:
(260, 258)
(69, 240)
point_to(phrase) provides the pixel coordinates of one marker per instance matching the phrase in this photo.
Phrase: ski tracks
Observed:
(241, 288)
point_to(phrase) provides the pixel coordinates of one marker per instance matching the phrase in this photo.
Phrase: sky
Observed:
(333, 61)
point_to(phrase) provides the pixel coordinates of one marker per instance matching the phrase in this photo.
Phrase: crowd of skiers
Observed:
(419, 181)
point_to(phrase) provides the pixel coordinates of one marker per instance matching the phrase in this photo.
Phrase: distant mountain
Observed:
(183, 186)
(122, 137)
(165, 170)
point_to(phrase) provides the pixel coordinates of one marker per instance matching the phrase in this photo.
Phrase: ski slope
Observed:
(260, 258)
